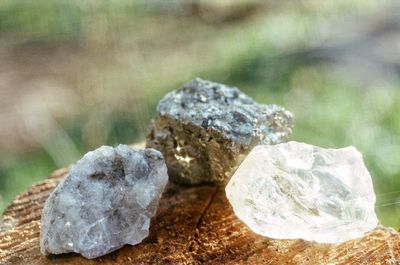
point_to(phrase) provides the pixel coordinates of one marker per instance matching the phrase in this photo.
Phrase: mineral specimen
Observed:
(105, 202)
(295, 190)
(204, 129)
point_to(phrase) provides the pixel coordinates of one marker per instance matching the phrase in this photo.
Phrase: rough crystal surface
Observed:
(105, 202)
(204, 128)
(295, 190)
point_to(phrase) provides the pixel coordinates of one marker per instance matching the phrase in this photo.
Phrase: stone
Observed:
(204, 129)
(106, 201)
(295, 190)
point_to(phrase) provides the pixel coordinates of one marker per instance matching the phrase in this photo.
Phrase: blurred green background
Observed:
(75, 75)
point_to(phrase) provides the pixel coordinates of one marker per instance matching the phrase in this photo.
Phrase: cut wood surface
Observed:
(193, 225)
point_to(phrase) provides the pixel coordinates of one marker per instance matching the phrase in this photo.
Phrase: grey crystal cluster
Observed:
(106, 201)
(204, 129)
(296, 190)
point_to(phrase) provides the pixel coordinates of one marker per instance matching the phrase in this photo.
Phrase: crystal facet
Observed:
(204, 128)
(295, 190)
(105, 202)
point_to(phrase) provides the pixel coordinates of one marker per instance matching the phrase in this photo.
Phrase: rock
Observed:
(204, 129)
(105, 202)
(295, 190)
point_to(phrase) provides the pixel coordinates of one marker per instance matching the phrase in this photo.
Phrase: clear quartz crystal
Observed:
(295, 190)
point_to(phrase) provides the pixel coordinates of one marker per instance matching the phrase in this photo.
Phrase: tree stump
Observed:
(193, 225)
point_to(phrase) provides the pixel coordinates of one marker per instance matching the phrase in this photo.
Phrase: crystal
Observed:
(204, 128)
(105, 202)
(296, 190)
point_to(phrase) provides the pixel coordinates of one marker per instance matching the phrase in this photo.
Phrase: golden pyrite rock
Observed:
(204, 130)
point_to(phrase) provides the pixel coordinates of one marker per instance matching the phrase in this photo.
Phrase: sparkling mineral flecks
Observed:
(204, 128)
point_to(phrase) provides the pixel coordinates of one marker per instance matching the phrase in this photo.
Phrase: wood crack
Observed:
(200, 221)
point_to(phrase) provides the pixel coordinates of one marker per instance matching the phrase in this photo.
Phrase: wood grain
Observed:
(193, 225)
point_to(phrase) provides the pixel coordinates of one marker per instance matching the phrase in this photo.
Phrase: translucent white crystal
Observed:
(295, 190)
(105, 202)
